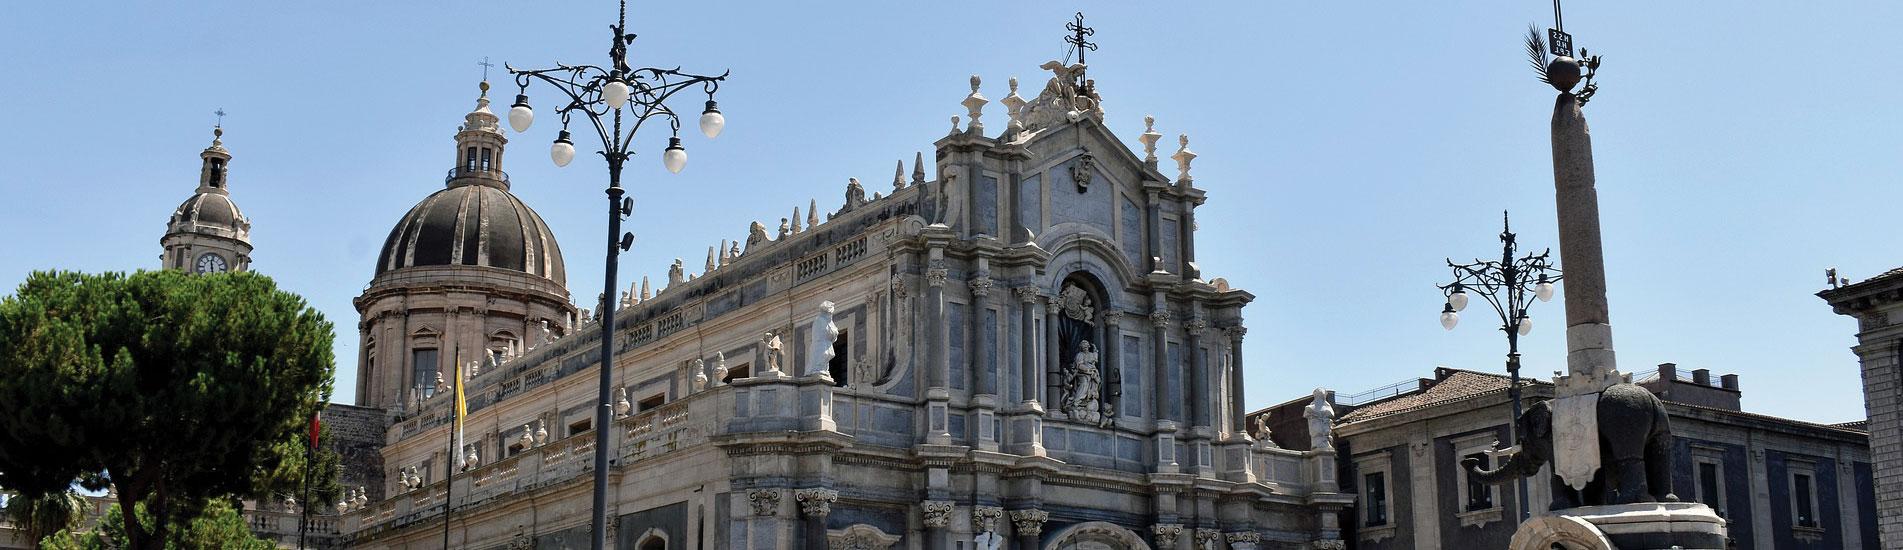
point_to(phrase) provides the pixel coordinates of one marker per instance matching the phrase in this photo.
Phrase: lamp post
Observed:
(1509, 285)
(608, 98)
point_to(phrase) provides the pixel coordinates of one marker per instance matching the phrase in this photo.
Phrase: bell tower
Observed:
(207, 233)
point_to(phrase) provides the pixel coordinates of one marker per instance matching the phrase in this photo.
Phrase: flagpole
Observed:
(449, 459)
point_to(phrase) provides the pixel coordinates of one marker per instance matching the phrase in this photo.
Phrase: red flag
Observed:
(314, 427)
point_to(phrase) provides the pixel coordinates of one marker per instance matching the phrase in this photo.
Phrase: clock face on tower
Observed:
(211, 263)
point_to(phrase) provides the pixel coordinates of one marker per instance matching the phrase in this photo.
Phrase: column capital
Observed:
(984, 519)
(766, 502)
(1195, 326)
(1054, 303)
(1166, 534)
(1160, 318)
(980, 286)
(816, 502)
(1030, 521)
(1026, 294)
(1235, 332)
(937, 274)
(1205, 537)
(937, 512)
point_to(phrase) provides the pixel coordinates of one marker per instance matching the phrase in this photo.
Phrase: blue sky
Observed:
(1347, 148)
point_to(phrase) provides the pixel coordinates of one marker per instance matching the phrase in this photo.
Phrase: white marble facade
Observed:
(1026, 354)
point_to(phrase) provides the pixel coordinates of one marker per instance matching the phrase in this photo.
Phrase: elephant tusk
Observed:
(1497, 453)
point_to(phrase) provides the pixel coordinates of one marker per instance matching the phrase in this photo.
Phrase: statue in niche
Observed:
(1082, 385)
(1083, 382)
(820, 350)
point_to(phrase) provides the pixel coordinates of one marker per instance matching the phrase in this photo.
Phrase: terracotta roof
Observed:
(1450, 385)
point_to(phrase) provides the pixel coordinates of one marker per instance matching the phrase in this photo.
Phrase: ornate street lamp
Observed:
(610, 99)
(1509, 285)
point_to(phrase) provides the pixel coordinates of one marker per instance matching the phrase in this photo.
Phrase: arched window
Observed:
(653, 539)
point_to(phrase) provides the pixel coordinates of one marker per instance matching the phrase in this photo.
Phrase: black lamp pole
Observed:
(1509, 285)
(601, 95)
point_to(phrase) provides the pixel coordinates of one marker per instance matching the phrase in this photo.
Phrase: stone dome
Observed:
(208, 208)
(478, 225)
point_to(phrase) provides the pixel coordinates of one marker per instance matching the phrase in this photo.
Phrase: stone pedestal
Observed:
(1646, 526)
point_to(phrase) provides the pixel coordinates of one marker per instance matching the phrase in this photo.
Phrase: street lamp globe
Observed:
(616, 93)
(520, 115)
(711, 121)
(676, 156)
(1543, 290)
(563, 151)
(1458, 300)
(1526, 324)
(1448, 318)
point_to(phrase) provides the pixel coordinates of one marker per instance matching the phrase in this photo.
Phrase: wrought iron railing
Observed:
(461, 171)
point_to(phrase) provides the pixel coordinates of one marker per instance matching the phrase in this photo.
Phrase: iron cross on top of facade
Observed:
(1076, 39)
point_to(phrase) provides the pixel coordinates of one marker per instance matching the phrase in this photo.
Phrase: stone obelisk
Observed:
(1588, 326)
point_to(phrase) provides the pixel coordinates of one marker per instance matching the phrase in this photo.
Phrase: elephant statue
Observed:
(1635, 451)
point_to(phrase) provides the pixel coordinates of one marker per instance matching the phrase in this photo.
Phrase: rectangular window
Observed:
(1708, 488)
(469, 160)
(652, 402)
(736, 373)
(1479, 495)
(1375, 493)
(1806, 503)
(837, 366)
(580, 426)
(485, 158)
(423, 369)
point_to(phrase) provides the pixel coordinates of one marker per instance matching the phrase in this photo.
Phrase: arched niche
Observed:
(1096, 535)
(652, 539)
(1088, 391)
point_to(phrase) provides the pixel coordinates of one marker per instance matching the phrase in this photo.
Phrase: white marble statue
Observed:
(1321, 422)
(820, 353)
(720, 367)
(547, 335)
(1082, 389)
(988, 540)
(771, 343)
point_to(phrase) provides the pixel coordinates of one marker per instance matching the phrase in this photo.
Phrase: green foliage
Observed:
(219, 526)
(44, 515)
(182, 388)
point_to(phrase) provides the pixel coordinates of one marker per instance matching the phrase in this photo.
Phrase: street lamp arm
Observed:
(651, 88)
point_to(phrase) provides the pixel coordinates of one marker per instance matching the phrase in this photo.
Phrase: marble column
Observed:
(1166, 393)
(1190, 270)
(1199, 393)
(1029, 390)
(1054, 364)
(936, 517)
(1111, 361)
(1027, 427)
(1028, 524)
(1237, 411)
(984, 361)
(1154, 211)
(815, 505)
(938, 392)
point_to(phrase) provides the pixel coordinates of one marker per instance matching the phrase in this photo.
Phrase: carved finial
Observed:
(723, 253)
(1182, 157)
(1149, 138)
(784, 230)
(954, 129)
(712, 262)
(898, 176)
(812, 213)
(645, 294)
(1014, 103)
(734, 252)
(918, 167)
(796, 219)
(975, 105)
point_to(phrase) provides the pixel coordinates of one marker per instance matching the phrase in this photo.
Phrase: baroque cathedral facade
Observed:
(1020, 352)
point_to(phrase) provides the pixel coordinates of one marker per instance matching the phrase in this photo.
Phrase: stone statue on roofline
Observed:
(1321, 422)
(820, 352)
